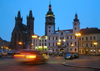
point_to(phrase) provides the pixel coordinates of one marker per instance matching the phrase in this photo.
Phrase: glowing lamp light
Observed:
(20, 43)
(34, 36)
(59, 40)
(94, 50)
(72, 45)
(91, 50)
(58, 43)
(95, 43)
(78, 34)
(64, 40)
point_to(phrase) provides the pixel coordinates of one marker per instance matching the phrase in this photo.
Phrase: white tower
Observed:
(76, 24)
(50, 22)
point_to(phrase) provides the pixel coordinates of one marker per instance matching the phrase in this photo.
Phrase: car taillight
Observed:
(18, 56)
(31, 56)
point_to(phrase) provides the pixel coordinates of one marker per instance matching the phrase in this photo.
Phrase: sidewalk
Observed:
(92, 62)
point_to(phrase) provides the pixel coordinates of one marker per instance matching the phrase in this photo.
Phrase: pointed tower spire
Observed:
(76, 18)
(18, 16)
(30, 14)
(50, 10)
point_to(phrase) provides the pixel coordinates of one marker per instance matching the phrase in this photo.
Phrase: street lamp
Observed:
(20, 43)
(95, 43)
(33, 37)
(78, 35)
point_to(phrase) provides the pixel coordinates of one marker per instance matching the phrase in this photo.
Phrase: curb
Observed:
(63, 63)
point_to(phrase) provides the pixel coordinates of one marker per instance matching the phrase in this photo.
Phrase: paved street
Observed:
(54, 64)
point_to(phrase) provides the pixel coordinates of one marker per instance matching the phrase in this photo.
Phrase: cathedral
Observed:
(21, 32)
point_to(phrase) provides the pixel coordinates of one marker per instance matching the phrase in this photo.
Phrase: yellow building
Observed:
(89, 42)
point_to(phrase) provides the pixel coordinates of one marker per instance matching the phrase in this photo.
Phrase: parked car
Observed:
(75, 55)
(5, 52)
(69, 56)
(1, 53)
(30, 56)
(60, 53)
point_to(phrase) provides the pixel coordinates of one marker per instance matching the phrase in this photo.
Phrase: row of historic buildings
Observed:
(68, 40)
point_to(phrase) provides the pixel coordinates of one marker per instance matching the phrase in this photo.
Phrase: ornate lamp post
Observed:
(33, 37)
(78, 35)
(95, 43)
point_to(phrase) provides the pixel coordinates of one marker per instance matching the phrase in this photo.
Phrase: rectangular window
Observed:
(75, 43)
(49, 38)
(90, 38)
(82, 45)
(67, 37)
(56, 38)
(42, 40)
(67, 44)
(49, 44)
(45, 44)
(45, 40)
(61, 33)
(79, 38)
(82, 38)
(86, 38)
(70, 37)
(86, 45)
(75, 37)
(91, 45)
(94, 37)
(53, 44)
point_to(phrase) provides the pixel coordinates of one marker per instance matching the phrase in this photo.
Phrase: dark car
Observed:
(69, 56)
(30, 56)
(75, 55)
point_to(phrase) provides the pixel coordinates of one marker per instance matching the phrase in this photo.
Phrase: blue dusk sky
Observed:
(64, 10)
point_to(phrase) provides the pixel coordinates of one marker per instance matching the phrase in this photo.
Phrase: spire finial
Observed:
(50, 2)
(30, 14)
(19, 16)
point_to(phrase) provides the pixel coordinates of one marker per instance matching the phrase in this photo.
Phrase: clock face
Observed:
(75, 24)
